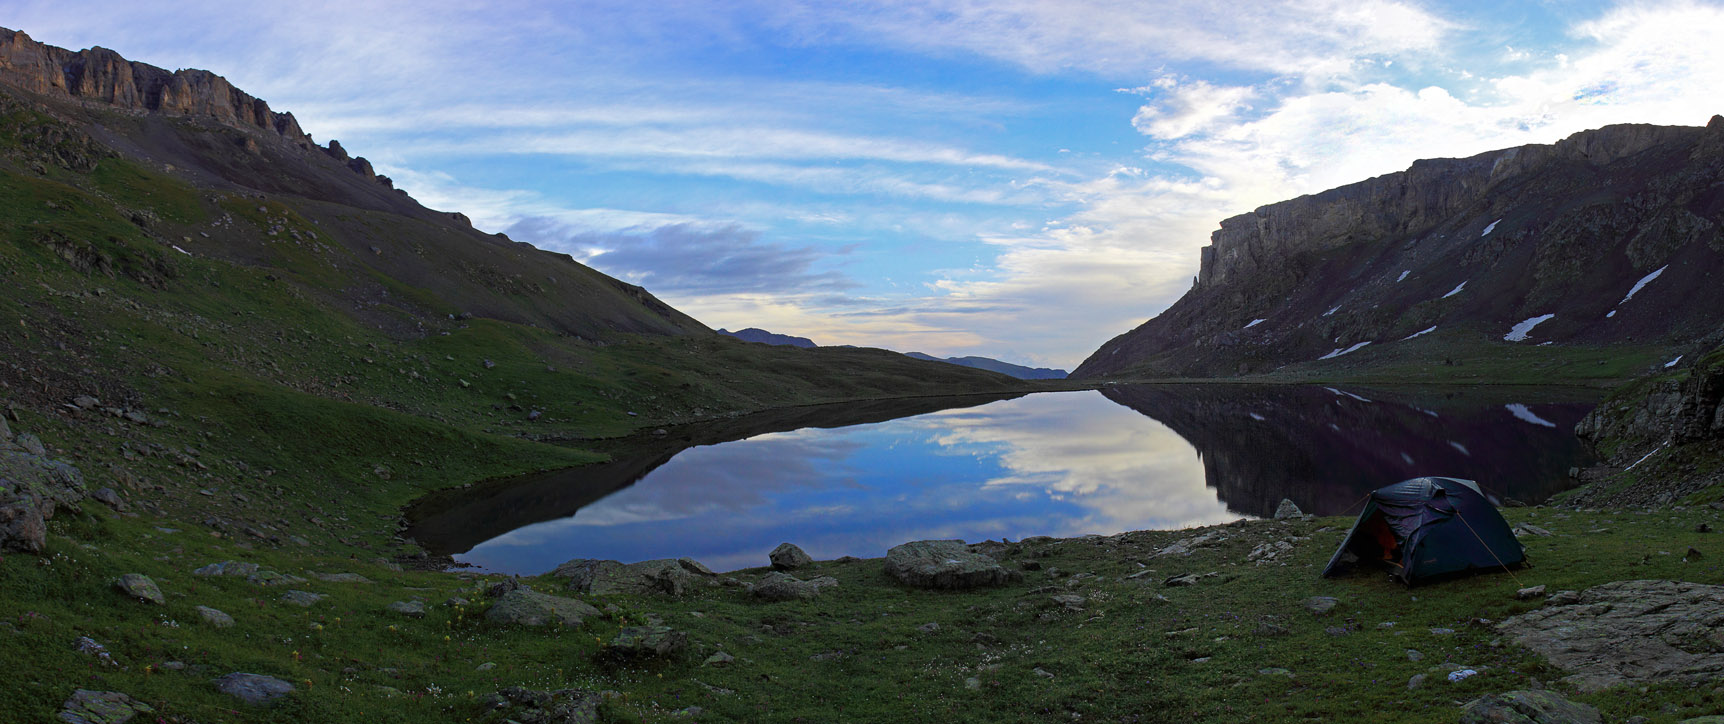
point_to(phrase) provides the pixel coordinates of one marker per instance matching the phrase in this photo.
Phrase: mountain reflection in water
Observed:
(1060, 464)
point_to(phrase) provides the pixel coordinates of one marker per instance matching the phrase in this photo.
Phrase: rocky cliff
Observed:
(102, 76)
(1472, 246)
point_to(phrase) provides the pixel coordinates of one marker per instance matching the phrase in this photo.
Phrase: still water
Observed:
(1060, 464)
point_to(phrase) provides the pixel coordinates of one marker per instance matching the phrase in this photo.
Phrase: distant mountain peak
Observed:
(761, 336)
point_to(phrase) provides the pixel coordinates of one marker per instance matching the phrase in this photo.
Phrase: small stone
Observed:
(1530, 529)
(139, 586)
(487, 666)
(340, 578)
(227, 568)
(86, 402)
(110, 498)
(253, 689)
(1337, 630)
(1442, 632)
(1414, 655)
(972, 683)
(301, 598)
(1039, 671)
(101, 707)
(787, 557)
(929, 627)
(173, 666)
(1321, 605)
(719, 659)
(1184, 579)
(1532, 592)
(410, 609)
(215, 617)
(1417, 681)
(1462, 674)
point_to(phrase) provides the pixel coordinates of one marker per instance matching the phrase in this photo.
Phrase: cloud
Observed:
(687, 259)
(1187, 108)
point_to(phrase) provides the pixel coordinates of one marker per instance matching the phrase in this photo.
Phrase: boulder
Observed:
(215, 617)
(1320, 605)
(662, 576)
(22, 529)
(788, 557)
(639, 642)
(101, 707)
(301, 598)
(410, 609)
(525, 607)
(227, 568)
(776, 586)
(944, 564)
(28, 474)
(31, 444)
(253, 689)
(1287, 509)
(1629, 632)
(1527, 707)
(139, 586)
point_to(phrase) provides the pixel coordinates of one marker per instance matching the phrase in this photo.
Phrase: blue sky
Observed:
(1021, 179)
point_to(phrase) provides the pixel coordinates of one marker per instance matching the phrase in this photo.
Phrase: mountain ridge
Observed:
(1462, 250)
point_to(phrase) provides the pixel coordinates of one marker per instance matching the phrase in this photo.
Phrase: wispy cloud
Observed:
(685, 259)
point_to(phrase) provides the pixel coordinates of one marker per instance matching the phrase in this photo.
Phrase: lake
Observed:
(858, 479)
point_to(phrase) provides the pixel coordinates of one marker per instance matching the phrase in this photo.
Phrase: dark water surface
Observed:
(858, 479)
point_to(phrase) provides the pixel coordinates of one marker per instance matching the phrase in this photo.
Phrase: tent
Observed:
(1426, 527)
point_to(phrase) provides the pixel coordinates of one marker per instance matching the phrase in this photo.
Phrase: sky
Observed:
(1019, 179)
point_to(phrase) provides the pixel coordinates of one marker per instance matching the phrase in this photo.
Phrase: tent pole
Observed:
(1487, 546)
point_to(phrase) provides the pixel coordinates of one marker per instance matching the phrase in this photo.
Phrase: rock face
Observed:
(1565, 229)
(101, 707)
(253, 689)
(944, 564)
(32, 488)
(524, 607)
(1527, 707)
(1640, 422)
(1630, 631)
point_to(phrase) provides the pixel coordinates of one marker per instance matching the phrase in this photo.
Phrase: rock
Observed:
(1462, 675)
(638, 642)
(271, 578)
(139, 586)
(1442, 632)
(227, 568)
(1069, 601)
(301, 598)
(1563, 598)
(1692, 554)
(696, 567)
(1523, 529)
(776, 586)
(1321, 605)
(1337, 630)
(788, 557)
(1183, 579)
(563, 706)
(1414, 655)
(719, 659)
(92, 647)
(1528, 707)
(1185, 546)
(944, 564)
(215, 617)
(929, 627)
(85, 402)
(22, 529)
(5, 430)
(1287, 510)
(101, 707)
(1526, 593)
(487, 666)
(340, 578)
(32, 445)
(410, 609)
(524, 607)
(972, 683)
(110, 498)
(663, 576)
(253, 689)
(1630, 631)
(1275, 671)
(1417, 681)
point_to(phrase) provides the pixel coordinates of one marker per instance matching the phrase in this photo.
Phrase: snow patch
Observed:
(1258, 417)
(1403, 276)
(1639, 285)
(1408, 459)
(1519, 332)
(1419, 333)
(1432, 413)
(1643, 459)
(1612, 313)
(1338, 351)
(1346, 394)
(178, 249)
(1456, 290)
(1488, 229)
(1255, 322)
(1460, 447)
(1521, 412)
(1332, 310)
(1672, 363)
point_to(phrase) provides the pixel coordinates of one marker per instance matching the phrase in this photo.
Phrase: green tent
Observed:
(1427, 527)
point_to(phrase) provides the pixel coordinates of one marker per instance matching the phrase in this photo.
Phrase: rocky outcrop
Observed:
(1630, 632)
(32, 488)
(102, 76)
(1682, 407)
(665, 576)
(1470, 246)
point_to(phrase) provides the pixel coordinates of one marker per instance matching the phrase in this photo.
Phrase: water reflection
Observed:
(1061, 464)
